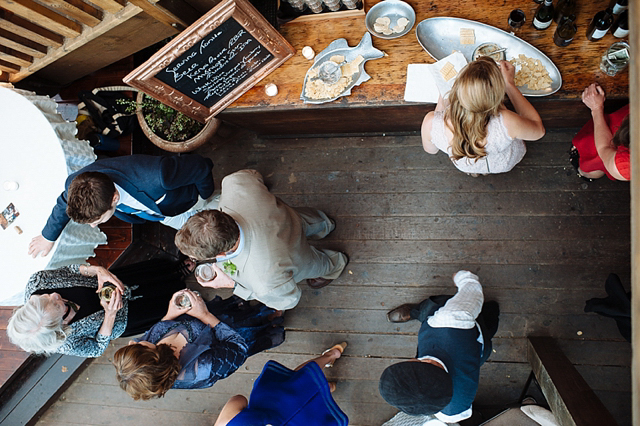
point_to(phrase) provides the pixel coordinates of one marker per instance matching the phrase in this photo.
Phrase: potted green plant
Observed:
(170, 129)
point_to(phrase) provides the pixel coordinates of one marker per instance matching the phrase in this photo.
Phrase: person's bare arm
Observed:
(111, 308)
(426, 134)
(199, 310)
(232, 408)
(593, 97)
(526, 124)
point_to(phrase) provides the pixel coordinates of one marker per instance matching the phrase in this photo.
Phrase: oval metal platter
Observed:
(441, 36)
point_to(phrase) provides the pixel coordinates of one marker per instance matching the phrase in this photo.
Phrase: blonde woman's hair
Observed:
(36, 330)
(475, 98)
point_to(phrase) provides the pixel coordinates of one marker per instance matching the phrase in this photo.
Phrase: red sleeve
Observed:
(623, 162)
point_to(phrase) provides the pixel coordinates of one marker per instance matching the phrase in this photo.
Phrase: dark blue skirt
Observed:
(293, 398)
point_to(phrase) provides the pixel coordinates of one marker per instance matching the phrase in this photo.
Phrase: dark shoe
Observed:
(316, 283)
(402, 313)
(574, 159)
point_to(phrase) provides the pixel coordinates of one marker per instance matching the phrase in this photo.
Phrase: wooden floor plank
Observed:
(542, 241)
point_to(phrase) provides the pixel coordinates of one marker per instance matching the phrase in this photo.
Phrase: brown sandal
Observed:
(340, 346)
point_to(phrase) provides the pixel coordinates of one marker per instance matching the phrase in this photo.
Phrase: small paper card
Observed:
(8, 216)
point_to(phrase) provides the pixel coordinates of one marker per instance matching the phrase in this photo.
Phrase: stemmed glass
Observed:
(516, 20)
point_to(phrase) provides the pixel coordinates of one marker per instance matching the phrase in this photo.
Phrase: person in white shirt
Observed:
(453, 342)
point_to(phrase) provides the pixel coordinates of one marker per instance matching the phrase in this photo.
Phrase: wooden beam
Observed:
(634, 99)
(111, 6)
(76, 9)
(43, 16)
(16, 57)
(22, 44)
(9, 67)
(161, 14)
(571, 399)
(110, 21)
(17, 25)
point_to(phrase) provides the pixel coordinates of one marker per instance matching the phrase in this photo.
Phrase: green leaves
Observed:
(229, 268)
(163, 120)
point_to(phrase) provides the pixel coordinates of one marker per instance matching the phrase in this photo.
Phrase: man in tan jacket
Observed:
(261, 243)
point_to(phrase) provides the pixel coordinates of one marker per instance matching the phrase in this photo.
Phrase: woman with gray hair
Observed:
(63, 314)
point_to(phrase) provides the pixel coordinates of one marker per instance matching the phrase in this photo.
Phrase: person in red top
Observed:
(603, 143)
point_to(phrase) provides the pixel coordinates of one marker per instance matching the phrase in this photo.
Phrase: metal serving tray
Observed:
(340, 47)
(441, 36)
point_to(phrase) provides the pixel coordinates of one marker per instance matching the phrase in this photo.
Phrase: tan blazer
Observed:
(276, 254)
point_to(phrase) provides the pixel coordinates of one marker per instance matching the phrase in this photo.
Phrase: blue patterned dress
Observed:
(213, 353)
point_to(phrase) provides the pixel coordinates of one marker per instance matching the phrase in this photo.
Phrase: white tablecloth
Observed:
(38, 151)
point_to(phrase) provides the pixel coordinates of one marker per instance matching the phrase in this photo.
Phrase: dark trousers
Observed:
(488, 318)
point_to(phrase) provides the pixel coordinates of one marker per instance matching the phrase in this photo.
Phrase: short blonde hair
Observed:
(207, 234)
(476, 97)
(34, 329)
(145, 372)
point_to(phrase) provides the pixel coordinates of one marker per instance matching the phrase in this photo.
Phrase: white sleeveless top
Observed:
(503, 152)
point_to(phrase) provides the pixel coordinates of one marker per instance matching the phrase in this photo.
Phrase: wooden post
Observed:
(634, 99)
(571, 399)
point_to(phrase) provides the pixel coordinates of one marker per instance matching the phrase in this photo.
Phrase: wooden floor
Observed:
(541, 240)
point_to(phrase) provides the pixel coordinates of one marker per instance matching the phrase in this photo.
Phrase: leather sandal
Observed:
(340, 346)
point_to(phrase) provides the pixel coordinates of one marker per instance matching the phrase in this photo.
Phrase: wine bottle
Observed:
(619, 6)
(565, 31)
(620, 28)
(600, 24)
(564, 8)
(544, 15)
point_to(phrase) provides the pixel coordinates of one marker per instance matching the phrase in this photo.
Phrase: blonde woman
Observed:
(476, 130)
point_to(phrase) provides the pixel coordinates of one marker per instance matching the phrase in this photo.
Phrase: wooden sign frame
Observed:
(144, 77)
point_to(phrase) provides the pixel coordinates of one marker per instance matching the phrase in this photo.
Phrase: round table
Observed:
(39, 151)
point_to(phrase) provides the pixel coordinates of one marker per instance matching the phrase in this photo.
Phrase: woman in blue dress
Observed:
(192, 348)
(280, 396)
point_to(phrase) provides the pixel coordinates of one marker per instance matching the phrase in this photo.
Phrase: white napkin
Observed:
(425, 83)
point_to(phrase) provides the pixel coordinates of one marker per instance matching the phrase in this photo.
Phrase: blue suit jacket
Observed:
(146, 178)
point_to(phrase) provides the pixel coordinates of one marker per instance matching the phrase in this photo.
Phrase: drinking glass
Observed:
(314, 5)
(516, 20)
(615, 59)
(350, 4)
(107, 291)
(297, 4)
(333, 5)
(182, 300)
(205, 272)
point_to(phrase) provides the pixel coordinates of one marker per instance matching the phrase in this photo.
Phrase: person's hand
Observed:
(508, 72)
(221, 280)
(198, 307)
(174, 311)
(112, 307)
(593, 97)
(40, 244)
(104, 275)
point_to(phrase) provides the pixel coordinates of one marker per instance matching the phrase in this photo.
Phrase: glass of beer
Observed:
(182, 300)
(107, 291)
(205, 272)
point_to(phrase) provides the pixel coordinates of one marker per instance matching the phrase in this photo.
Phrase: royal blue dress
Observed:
(293, 398)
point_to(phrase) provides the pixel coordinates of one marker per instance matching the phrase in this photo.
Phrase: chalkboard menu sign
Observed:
(214, 61)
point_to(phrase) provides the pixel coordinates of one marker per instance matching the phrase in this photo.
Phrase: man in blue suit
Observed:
(134, 188)
(453, 343)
